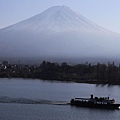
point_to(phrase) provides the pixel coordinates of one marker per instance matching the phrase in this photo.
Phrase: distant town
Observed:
(86, 73)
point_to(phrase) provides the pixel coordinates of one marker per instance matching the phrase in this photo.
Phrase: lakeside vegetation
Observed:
(86, 73)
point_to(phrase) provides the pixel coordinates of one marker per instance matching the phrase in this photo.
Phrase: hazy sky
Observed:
(105, 13)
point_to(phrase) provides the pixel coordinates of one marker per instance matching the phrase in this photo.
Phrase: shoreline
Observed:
(80, 73)
(67, 81)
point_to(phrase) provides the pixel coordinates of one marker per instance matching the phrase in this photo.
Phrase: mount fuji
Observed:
(58, 32)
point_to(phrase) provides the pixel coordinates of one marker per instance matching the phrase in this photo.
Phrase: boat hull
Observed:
(93, 105)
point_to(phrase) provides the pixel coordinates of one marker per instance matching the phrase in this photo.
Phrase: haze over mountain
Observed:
(58, 32)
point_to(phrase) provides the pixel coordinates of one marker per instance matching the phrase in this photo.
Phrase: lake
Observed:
(19, 97)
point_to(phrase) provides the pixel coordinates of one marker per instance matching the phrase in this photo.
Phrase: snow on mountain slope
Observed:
(57, 18)
(58, 31)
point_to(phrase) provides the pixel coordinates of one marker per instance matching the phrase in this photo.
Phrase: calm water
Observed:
(18, 90)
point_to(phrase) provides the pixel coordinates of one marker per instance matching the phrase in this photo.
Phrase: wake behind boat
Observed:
(95, 102)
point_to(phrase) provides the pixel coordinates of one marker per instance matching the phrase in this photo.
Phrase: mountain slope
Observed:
(58, 31)
(57, 18)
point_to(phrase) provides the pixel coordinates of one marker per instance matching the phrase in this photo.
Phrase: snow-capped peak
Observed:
(56, 19)
(58, 31)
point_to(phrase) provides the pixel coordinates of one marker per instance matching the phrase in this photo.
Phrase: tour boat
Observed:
(95, 102)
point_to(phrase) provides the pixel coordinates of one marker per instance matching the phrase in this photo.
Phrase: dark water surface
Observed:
(22, 99)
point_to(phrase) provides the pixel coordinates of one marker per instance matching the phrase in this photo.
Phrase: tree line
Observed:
(86, 72)
(99, 73)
